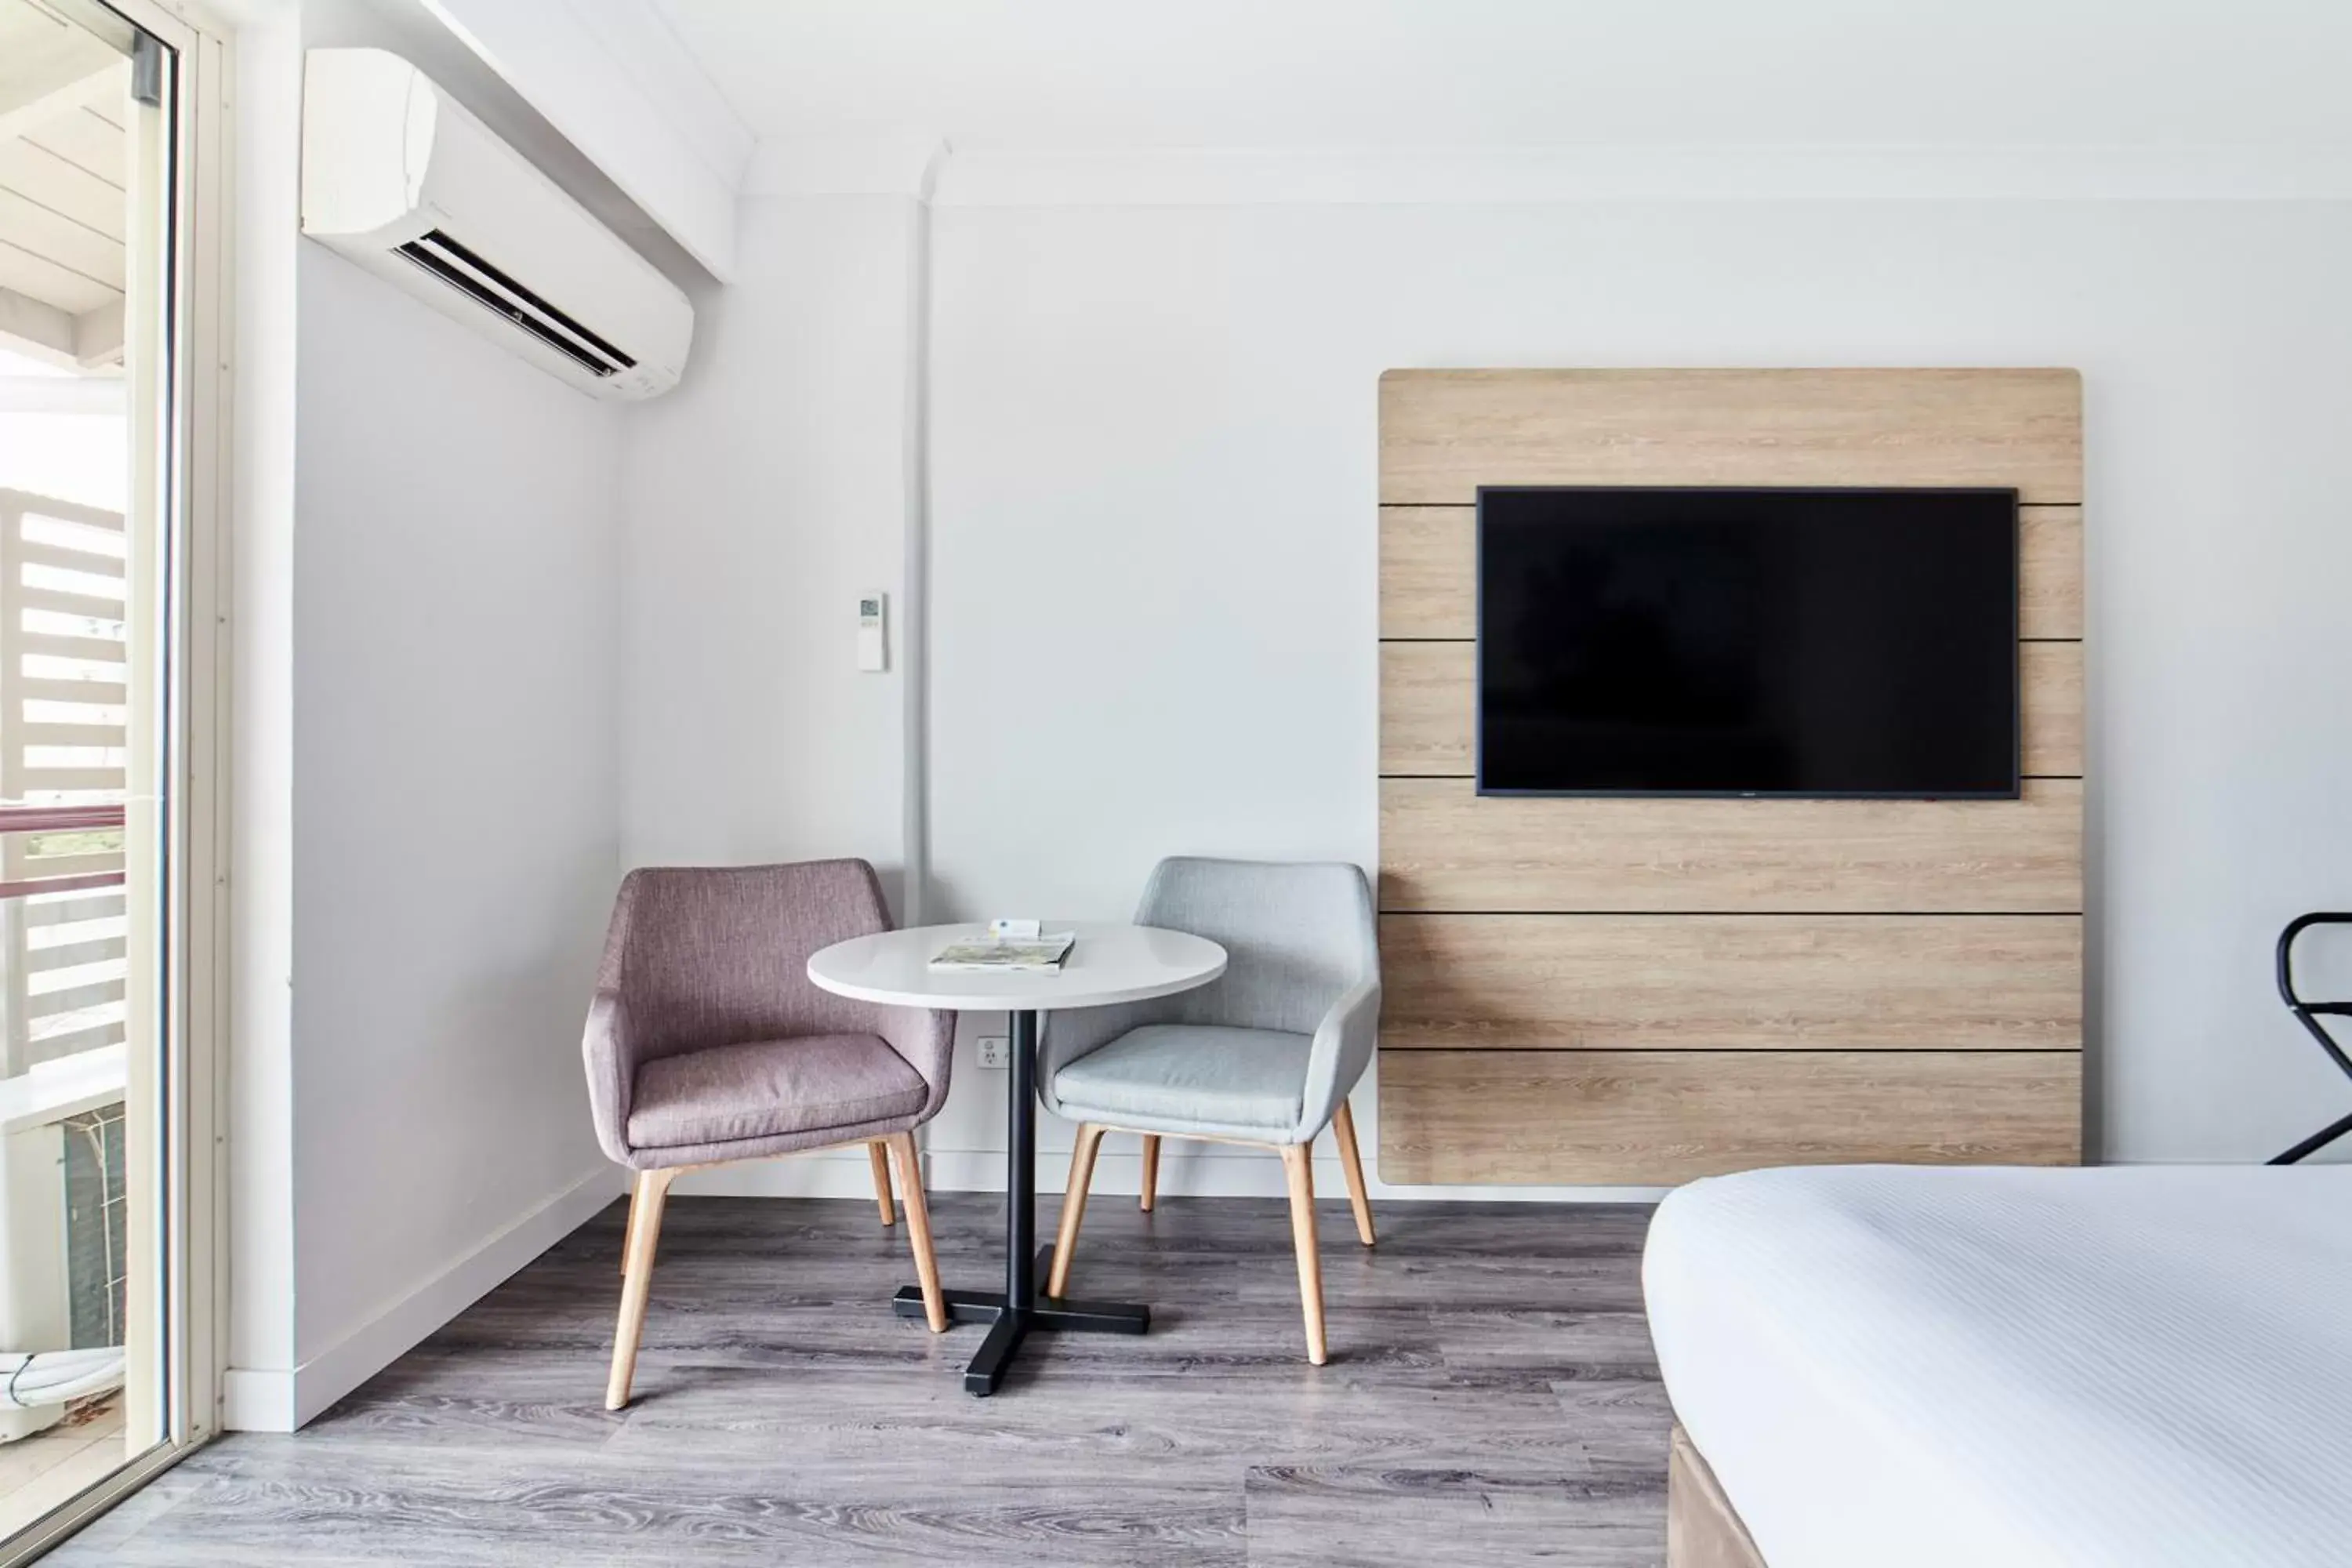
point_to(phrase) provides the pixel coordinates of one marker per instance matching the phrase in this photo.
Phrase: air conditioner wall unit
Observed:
(398, 176)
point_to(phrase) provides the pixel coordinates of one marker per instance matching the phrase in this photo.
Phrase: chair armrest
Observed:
(927, 1040)
(610, 1058)
(1344, 1042)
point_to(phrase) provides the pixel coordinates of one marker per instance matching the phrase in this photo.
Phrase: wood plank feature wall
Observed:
(1654, 1118)
(1629, 991)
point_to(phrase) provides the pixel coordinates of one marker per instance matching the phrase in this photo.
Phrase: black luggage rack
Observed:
(2309, 1013)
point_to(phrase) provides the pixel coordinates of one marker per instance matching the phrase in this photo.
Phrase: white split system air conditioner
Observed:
(399, 177)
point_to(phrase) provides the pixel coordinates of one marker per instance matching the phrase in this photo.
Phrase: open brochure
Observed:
(1039, 953)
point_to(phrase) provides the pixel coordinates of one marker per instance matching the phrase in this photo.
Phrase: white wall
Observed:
(1154, 470)
(429, 805)
(1152, 475)
(455, 814)
(764, 496)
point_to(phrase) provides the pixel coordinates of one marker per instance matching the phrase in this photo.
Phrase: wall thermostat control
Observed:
(872, 653)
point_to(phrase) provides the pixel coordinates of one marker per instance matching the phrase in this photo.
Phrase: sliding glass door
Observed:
(108, 890)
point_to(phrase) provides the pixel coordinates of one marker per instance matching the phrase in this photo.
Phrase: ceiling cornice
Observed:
(907, 165)
(984, 178)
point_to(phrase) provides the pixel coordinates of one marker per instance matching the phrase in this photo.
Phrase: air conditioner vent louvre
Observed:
(467, 272)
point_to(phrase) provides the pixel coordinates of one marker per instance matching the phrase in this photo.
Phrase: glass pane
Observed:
(84, 218)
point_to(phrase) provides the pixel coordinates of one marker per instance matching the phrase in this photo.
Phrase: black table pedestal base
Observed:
(1021, 1309)
(1050, 1315)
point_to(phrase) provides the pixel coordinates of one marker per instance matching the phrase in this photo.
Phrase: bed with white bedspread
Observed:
(2133, 1367)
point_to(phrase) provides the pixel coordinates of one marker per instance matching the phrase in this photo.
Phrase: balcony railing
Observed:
(61, 819)
(64, 748)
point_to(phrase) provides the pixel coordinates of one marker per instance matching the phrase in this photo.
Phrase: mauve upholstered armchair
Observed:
(1265, 1056)
(706, 1045)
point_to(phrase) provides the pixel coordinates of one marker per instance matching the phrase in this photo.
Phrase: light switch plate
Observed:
(873, 645)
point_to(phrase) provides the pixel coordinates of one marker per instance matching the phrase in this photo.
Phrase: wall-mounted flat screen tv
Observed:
(1748, 642)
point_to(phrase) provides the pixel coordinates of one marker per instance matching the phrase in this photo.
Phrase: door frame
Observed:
(194, 839)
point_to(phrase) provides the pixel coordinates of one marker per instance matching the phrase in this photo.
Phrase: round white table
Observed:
(1106, 964)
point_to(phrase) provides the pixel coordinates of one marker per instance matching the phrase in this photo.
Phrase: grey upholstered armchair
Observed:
(1266, 1055)
(707, 1044)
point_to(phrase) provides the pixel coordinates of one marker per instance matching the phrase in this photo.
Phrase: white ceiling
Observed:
(63, 98)
(41, 51)
(1381, 74)
(62, 173)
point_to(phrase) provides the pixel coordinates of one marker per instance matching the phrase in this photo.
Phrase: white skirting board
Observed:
(258, 1399)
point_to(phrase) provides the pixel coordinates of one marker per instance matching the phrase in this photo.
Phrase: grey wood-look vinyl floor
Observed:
(1491, 1398)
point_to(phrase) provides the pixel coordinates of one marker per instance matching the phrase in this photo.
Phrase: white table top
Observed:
(1108, 963)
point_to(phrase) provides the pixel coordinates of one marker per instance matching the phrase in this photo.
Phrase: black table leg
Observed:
(1021, 1171)
(1020, 1309)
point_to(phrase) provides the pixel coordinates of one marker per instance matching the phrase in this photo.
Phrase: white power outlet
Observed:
(997, 1052)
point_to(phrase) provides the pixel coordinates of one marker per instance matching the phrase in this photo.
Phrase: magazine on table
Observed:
(1012, 946)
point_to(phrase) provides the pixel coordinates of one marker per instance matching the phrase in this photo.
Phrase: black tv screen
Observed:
(1748, 642)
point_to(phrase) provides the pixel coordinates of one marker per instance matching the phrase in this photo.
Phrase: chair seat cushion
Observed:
(1217, 1078)
(768, 1087)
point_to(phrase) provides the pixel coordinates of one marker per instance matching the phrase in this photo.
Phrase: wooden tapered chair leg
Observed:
(881, 1163)
(637, 1282)
(918, 1228)
(1074, 1206)
(1150, 1170)
(1343, 1133)
(629, 1236)
(1298, 1165)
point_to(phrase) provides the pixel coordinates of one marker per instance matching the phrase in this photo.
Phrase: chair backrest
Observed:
(718, 955)
(1296, 936)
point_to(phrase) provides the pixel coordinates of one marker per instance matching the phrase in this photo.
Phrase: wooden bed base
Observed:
(1702, 1530)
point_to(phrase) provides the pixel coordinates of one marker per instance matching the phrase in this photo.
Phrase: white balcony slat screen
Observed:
(63, 741)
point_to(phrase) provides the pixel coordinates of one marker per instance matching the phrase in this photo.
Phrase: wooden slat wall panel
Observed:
(1625, 983)
(1428, 705)
(2050, 677)
(1643, 991)
(1446, 433)
(1429, 563)
(1659, 1116)
(2050, 572)
(1442, 847)
(1429, 572)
